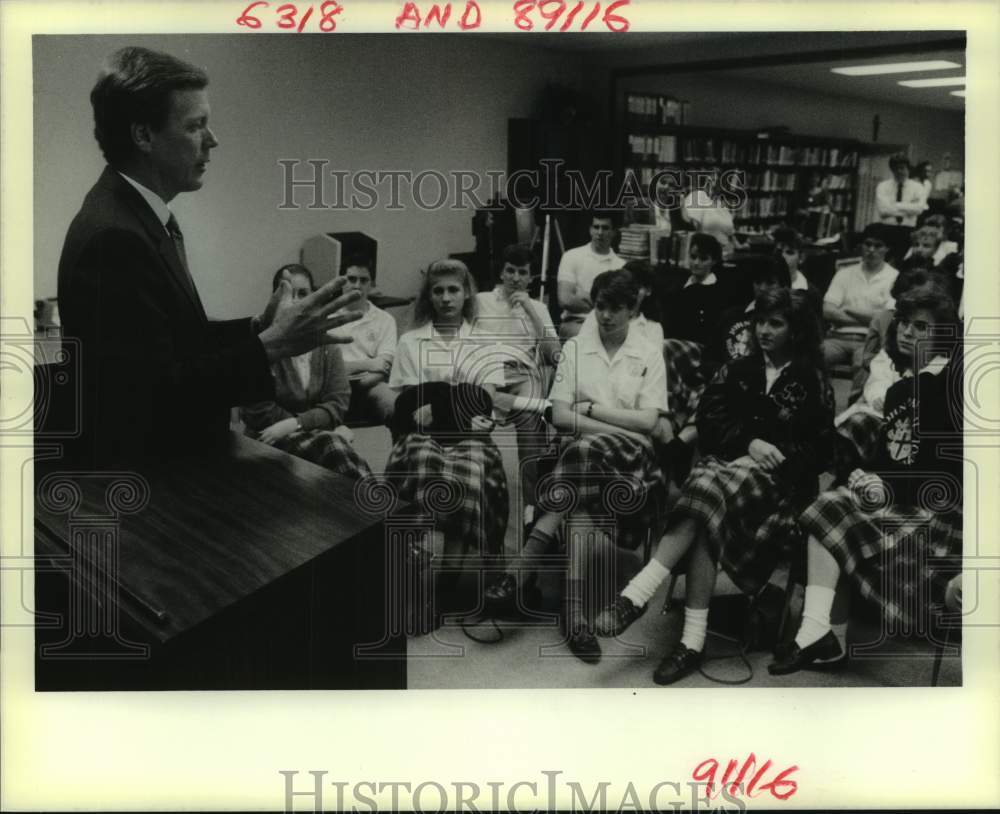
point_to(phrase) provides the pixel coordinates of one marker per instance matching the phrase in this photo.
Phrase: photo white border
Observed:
(904, 748)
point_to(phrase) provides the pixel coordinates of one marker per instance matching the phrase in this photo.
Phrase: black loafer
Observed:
(680, 663)
(501, 595)
(583, 644)
(798, 658)
(618, 616)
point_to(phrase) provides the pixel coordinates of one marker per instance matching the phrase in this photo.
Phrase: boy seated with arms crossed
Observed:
(368, 359)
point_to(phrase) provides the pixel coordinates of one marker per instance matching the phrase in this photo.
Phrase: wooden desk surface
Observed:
(216, 529)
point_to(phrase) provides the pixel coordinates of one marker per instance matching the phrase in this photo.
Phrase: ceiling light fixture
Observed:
(897, 67)
(936, 82)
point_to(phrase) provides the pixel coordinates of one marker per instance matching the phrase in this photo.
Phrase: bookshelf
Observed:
(805, 181)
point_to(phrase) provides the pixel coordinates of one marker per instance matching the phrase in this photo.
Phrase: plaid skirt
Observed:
(609, 476)
(888, 553)
(864, 431)
(686, 379)
(462, 486)
(748, 516)
(328, 449)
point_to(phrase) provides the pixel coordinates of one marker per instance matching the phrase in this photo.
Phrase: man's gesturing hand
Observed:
(299, 326)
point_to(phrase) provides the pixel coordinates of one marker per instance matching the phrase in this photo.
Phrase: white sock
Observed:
(815, 615)
(695, 628)
(644, 584)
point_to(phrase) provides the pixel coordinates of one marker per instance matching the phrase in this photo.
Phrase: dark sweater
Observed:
(693, 312)
(923, 418)
(320, 406)
(796, 416)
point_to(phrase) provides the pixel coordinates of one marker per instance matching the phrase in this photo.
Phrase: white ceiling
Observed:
(687, 49)
(817, 76)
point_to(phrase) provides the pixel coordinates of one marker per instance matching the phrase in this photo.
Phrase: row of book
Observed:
(668, 148)
(653, 148)
(653, 109)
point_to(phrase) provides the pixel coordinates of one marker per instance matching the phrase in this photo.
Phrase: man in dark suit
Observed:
(159, 378)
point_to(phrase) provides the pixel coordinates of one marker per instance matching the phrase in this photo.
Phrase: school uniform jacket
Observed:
(920, 455)
(796, 416)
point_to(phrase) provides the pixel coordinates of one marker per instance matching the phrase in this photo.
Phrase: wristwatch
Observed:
(590, 409)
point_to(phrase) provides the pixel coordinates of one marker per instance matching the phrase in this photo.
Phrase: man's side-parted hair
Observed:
(134, 86)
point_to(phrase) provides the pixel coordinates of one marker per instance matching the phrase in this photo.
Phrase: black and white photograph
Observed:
(559, 354)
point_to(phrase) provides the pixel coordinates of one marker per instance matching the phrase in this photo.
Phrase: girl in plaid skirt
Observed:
(888, 529)
(311, 396)
(764, 425)
(608, 397)
(443, 458)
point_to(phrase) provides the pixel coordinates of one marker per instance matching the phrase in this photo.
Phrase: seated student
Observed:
(875, 338)
(788, 244)
(310, 398)
(609, 394)
(530, 345)
(856, 293)
(862, 421)
(885, 528)
(579, 266)
(762, 427)
(693, 311)
(648, 327)
(368, 358)
(446, 381)
(734, 334)
(945, 246)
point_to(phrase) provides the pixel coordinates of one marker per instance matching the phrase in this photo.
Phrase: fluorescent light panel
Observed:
(897, 67)
(936, 82)
(958, 93)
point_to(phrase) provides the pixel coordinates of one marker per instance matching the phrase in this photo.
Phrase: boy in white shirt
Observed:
(525, 330)
(579, 267)
(368, 358)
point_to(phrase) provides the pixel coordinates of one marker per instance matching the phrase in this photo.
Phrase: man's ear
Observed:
(142, 136)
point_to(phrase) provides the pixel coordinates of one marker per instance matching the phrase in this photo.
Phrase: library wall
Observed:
(362, 102)
(716, 102)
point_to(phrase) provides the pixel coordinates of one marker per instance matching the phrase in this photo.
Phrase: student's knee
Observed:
(953, 595)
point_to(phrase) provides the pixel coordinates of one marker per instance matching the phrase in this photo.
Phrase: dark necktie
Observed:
(899, 197)
(178, 237)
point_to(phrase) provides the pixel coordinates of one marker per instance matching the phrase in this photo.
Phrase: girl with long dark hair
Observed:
(763, 426)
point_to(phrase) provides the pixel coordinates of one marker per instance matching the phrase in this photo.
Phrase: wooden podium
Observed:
(244, 569)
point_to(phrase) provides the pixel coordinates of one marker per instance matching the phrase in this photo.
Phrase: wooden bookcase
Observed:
(779, 167)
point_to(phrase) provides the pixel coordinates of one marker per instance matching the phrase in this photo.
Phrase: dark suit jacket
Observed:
(157, 377)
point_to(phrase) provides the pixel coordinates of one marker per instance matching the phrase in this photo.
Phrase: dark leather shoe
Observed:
(617, 616)
(501, 595)
(583, 644)
(798, 658)
(676, 665)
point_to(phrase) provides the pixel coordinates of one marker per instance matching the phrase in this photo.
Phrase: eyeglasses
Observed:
(873, 244)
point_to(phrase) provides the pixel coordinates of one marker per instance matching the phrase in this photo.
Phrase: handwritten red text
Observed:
(287, 16)
(472, 16)
(580, 13)
(750, 780)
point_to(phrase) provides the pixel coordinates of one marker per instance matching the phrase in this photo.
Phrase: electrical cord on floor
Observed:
(742, 655)
(478, 620)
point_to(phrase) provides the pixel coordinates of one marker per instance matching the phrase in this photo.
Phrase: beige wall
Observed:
(438, 102)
